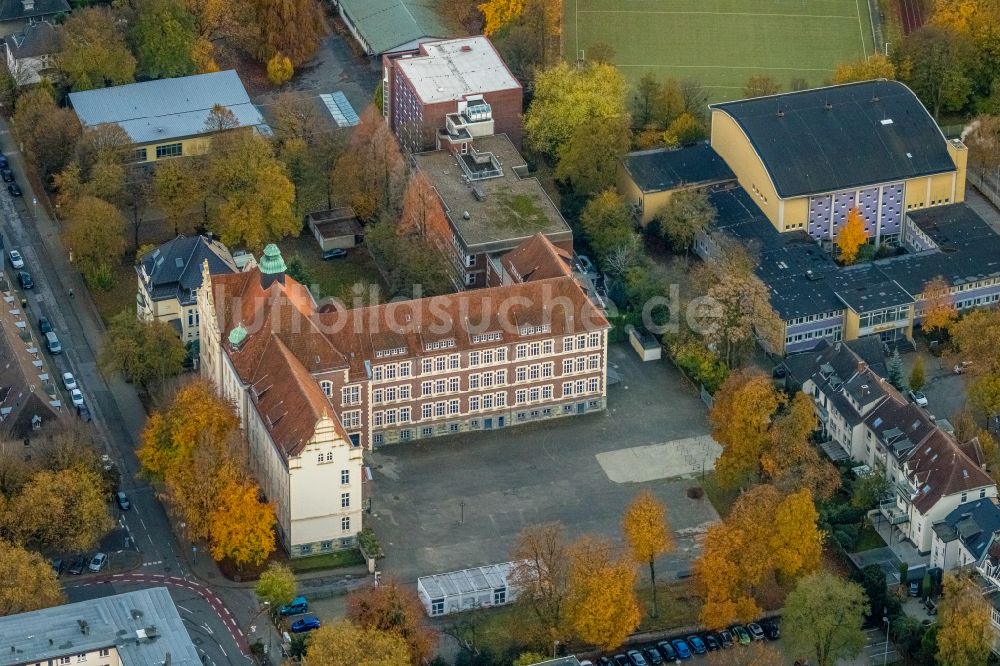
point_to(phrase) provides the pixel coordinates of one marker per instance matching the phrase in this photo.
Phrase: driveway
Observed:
(452, 503)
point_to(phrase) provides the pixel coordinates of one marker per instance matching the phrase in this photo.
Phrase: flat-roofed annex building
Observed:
(167, 117)
(464, 80)
(139, 628)
(491, 203)
(809, 157)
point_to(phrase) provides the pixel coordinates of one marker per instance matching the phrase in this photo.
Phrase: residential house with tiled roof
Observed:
(966, 534)
(866, 419)
(315, 386)
(169, 277)
(31, 53)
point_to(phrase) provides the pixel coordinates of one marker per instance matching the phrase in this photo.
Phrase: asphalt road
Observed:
(118, 417)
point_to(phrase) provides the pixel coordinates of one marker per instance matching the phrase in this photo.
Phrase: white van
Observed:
(52, 342)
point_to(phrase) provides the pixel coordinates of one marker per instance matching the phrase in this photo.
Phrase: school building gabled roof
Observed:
(841, 137)
(164, 109)
(387, 24)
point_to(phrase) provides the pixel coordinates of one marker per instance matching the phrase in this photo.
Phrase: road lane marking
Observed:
(183, 609)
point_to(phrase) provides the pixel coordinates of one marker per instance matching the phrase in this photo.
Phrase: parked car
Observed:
(7, 175)
(697, 644)
(79, 564)
(99, 562)
(726, 638)
(53, 344)
(586, 264)
(653, 656)
(24, 279)
(84, 413)
(69, 381)
(16, 260)
(76, 395)
(756, 632)
(123, 502)
(57, 566)
(740, 634)
(3, 161)
(334, 254)
(44, 325)
(681, 648)
(667, 650)
(712, 642)
(913, 589)
(296, 606)
(303, 624)
(604, 661)
(918, 397)
(620, 660)
(14, 190)
(636, 659)
(771, 630)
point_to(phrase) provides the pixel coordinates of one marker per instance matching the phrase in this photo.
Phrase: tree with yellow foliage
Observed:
(767, 537)
(344, 644)
(851, 237)
(741, 417)
(61, 510)
(498, 13)
(938, 306)
(964, 634)
(240, 525)
(32, 584)
(877, 66)
(601, 606)
(279, 69)
(647, 533)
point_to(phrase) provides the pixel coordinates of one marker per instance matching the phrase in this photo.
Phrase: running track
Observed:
(176, 581)
(911, 14)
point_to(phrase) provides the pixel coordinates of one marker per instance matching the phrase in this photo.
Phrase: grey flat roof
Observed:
(661, 169)
(157, 111)
(143, 626)
(467, 581)
(842, 137)
(456, 68)
(512, 209)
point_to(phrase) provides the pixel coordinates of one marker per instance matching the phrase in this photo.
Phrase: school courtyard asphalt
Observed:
(452, 503)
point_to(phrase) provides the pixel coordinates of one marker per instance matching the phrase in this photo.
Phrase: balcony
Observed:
(892, 513)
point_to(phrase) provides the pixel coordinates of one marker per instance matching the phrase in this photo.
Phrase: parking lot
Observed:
(452, 503)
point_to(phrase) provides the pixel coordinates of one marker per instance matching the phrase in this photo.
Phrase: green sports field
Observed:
(722, 42)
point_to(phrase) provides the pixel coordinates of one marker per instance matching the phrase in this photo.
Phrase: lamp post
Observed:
(885, 654)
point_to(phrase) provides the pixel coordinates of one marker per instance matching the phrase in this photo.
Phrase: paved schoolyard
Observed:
(452, 503)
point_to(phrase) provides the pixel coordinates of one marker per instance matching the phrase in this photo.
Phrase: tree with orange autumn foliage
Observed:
(938, 306)
(371, 174)
(765, 437)
(392, 607)
(851, 237)
(422, 212)
(541, 574)
(767, 538)
(745, 554)
(647, 533)
(601, 606)
(195, 448)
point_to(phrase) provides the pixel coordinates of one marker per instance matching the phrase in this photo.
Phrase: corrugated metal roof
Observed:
(386, 24)
(156, 111)
(480, 579)
(143, 625)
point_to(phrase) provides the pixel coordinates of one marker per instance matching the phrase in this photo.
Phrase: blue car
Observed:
(681, 648)
(296, 606)
(697, 644)
(307, 623)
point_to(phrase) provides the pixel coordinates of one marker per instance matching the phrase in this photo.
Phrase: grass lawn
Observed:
(335, 277)
(868, 539)
(720, 43)
(120, 297)
(334, 560)
(721, 498)
(677, 602)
